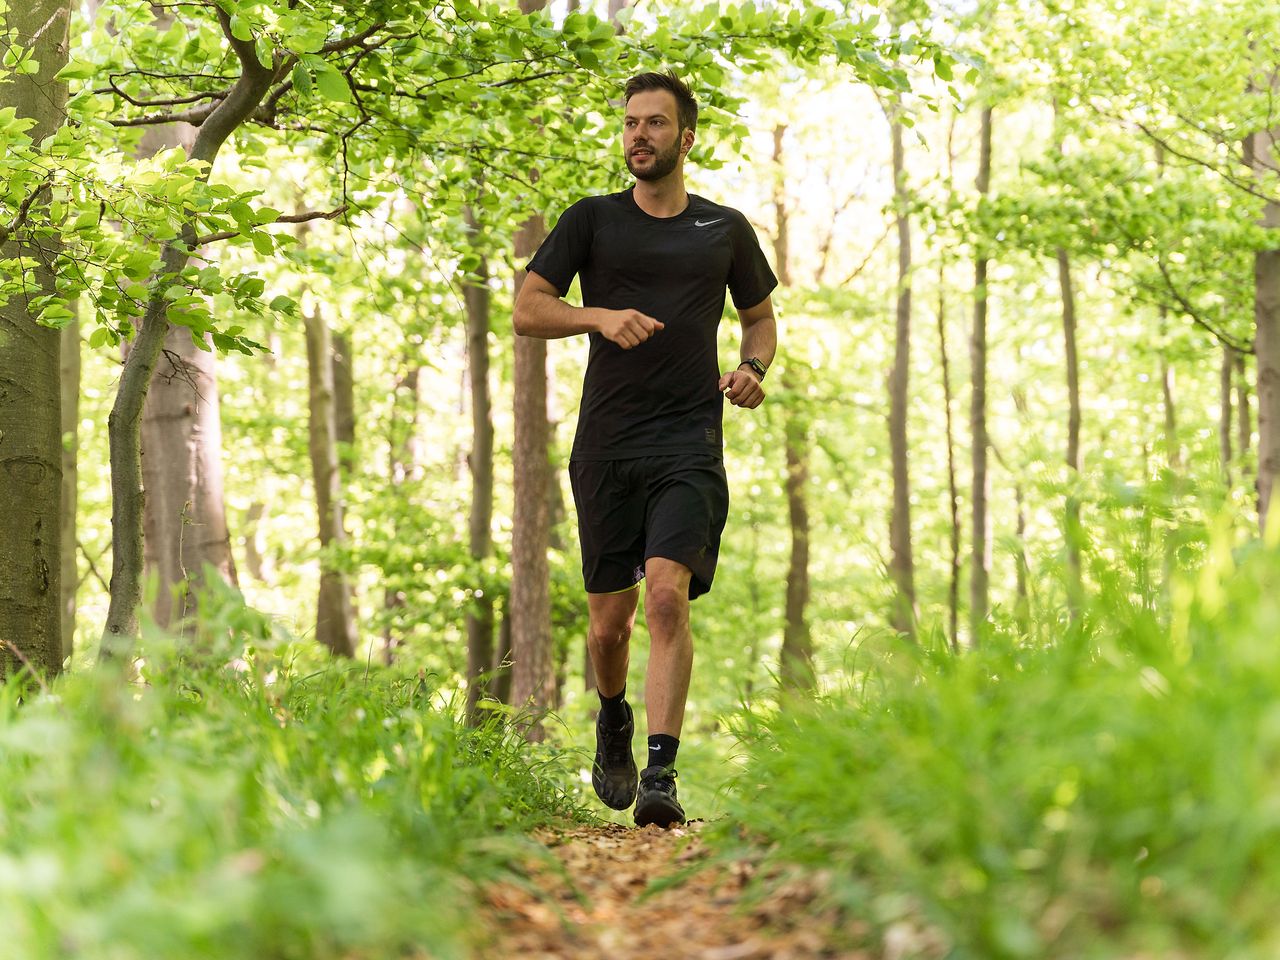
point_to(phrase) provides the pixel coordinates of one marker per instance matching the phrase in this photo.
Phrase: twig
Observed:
(24, 210)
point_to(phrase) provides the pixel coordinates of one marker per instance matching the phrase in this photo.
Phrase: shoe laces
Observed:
(664, 779)
(616, 741)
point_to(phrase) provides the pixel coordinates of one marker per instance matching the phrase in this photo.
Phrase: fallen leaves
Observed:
(612, 891)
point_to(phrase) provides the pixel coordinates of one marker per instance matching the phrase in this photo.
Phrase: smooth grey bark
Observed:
(69, 378)
(335, 613)
(124, 422)
(480, 525)
(30, 397)
(251, 541)
(980, 565)
(901, 563)
(185, 533)
(796, 657)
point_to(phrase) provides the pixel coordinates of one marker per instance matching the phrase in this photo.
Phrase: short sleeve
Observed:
(750, 277)
(566, 248)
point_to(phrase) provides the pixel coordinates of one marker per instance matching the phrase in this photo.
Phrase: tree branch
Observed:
(291, 218)
(24, 210)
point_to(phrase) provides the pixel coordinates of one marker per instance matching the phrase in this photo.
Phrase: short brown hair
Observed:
(686, 106)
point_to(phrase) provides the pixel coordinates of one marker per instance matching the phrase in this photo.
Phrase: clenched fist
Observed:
(742, 388)
(628, 328)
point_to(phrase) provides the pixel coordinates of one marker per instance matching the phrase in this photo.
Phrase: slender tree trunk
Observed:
(1022, 605)
(980, 572)
(529, 609)
(1071, 517)
(1226, 424)
(533, 680)
(30, 397)
(796, 658)
(344, 404)
(1243, 415)
(1173, 451)
(1263, 156)
(405, 459)
(335, 615)
(124, 422)
(480, 533)
(251, 541)
(70, 380)
(184, 518)
(901, 564)
(953, 492)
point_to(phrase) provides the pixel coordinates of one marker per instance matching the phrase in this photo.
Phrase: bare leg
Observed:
(666, 610)
(611, 615)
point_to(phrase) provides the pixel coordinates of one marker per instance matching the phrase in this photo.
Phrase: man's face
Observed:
(652, 144)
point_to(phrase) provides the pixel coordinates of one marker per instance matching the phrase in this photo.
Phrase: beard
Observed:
(658, 166)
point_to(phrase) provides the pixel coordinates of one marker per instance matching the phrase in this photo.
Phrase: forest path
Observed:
(601, 905)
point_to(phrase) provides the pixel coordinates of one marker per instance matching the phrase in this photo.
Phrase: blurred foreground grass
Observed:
(276, 806)
(1114, 792)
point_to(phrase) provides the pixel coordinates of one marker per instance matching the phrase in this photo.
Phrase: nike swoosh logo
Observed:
(706, 223)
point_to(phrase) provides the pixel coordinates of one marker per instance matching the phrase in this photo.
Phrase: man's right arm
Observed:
(539, 312)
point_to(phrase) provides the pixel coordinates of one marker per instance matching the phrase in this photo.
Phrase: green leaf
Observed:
(239, 29)
(333, 85)
(262, 243)
(98, 337)
(282, 304)
(942, 67)
(76, 70)
(302, 80)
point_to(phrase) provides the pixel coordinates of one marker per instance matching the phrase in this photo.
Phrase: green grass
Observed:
(276, 807)
(1113, 794)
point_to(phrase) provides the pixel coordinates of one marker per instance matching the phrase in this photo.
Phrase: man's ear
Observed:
(686, 141)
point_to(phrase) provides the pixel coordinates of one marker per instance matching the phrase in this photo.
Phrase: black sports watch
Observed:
(755, 364)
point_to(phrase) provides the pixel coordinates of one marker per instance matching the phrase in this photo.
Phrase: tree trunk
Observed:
(184, 515)
(796, 656)
(1022, 603)
(533, 680)
(529, 609)
(184, 519)
(1071, 509)
(901, 564)
(69, 377)
(124, 423)
(980, 572)
(1226, 372)
(344, 404)
(480, 532)
(1266, 315)
(1173, 450)
(405, 459)
(30, 396)
(1245, 419)
(953, 492)
(251, 540)
(335, 616)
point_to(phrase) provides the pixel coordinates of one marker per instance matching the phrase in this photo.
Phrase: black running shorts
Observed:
(672, 507)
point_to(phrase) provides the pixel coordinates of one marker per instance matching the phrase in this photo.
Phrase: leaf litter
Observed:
(609, 891)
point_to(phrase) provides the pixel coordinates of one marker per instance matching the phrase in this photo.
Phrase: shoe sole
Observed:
(661, 812)
(622, 800)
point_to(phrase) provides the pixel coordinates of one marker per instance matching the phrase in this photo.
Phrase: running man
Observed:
(646, 468)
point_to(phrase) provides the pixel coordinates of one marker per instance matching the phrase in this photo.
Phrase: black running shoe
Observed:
(613, 773)
(657, 801)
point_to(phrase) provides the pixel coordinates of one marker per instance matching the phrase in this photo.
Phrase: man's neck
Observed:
(662, 198)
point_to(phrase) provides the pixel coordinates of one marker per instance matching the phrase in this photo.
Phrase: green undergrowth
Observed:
(273, 806)
(1113, 794)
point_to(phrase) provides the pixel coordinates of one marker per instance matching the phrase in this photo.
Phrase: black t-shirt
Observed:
(660, 397)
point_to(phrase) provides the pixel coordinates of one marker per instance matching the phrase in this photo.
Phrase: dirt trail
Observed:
(603, 912)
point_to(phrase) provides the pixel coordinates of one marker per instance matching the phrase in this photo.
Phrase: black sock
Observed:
(611, 709)
(662, 750)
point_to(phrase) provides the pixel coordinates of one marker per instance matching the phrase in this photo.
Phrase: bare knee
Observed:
(608, 637)
(666, 609)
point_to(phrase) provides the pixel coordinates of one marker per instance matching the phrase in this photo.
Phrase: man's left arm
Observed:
(759, 342)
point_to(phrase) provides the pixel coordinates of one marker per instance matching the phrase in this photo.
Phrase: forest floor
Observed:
(613, 891)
